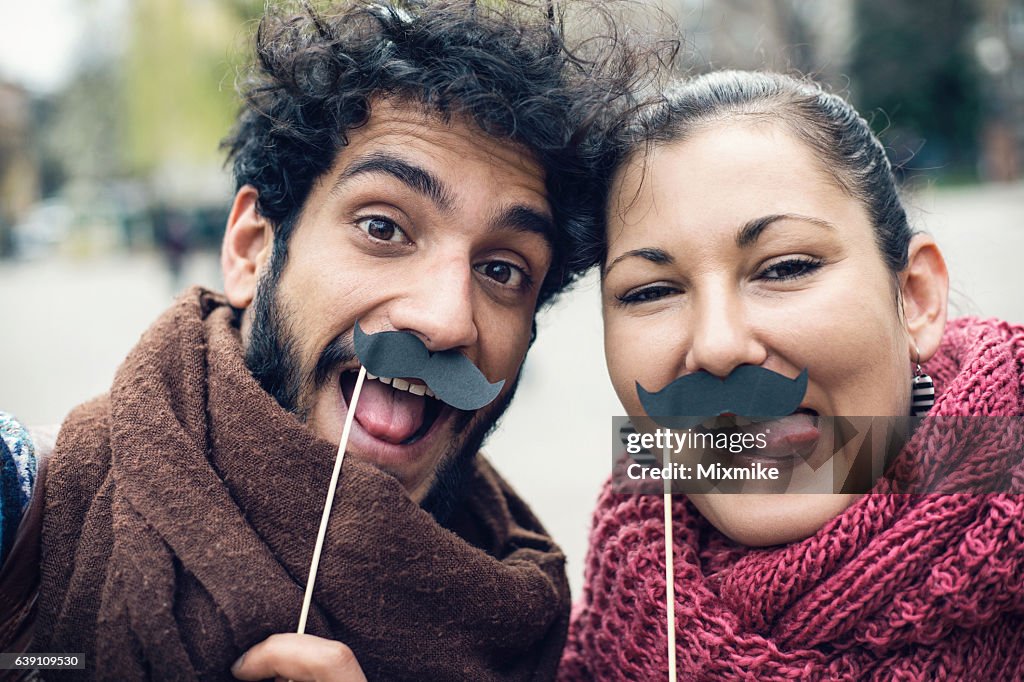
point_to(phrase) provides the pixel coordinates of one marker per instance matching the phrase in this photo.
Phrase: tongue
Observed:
(788, 435)
(388, 414)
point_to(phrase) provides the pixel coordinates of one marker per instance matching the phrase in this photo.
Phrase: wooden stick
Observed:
(307, 600)
(670, 583)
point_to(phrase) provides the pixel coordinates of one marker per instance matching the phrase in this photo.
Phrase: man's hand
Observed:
(301, 658)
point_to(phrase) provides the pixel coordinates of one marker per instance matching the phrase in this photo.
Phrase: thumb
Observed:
(301, 658)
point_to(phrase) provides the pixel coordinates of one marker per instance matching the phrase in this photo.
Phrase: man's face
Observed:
(420, 226)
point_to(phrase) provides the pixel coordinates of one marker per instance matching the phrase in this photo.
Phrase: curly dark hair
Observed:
(505, 66)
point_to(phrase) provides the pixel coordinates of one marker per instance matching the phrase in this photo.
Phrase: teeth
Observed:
(403, 385)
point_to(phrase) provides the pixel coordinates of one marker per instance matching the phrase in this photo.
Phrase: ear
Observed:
(248, 240)
(924, 286)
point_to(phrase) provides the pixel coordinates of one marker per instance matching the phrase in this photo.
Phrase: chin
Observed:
(765, 520)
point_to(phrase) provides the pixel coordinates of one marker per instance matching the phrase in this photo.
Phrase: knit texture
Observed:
(898, 587)
(181, 512)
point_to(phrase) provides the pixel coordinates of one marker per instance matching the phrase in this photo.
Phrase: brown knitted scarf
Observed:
(181, 512)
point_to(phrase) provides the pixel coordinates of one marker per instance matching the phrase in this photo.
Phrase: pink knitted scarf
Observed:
(907, 587)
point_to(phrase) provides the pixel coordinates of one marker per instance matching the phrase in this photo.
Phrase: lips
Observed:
(396, 411)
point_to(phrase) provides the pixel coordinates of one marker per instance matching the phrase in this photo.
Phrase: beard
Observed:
(449, 482)
(271, 357)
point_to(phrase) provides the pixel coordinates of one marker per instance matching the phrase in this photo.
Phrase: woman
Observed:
(754, 220)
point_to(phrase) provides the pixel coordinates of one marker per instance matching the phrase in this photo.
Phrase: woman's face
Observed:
(735, 247)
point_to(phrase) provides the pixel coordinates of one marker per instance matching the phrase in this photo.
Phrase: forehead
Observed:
(410, 129)
(720, 177)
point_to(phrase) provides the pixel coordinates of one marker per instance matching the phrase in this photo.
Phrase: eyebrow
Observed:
(414, 177)
(521, 218)
(518, 218)
(656, 256)
(747, 235)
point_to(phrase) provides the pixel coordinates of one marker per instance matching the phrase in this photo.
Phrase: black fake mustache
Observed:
(749, 391)
(449, 374)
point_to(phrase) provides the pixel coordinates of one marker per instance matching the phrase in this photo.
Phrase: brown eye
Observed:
(503, 273)
(383, 230)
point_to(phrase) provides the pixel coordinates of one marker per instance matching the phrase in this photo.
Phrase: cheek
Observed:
(504, 340)
(866, 365)
(620, 358)
(640, 350)
(321, 300)
(849, 337)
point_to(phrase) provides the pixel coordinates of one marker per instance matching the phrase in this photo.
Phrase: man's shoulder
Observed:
(493, 497)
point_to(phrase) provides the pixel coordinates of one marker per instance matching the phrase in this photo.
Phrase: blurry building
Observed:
(944, 79)
(779, 35)
(19, 164)
(999, 49)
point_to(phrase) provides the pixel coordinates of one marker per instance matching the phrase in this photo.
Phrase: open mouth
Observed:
(788, 439)
(395, 410)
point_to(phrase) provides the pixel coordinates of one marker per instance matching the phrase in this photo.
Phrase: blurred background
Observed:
(113, 194)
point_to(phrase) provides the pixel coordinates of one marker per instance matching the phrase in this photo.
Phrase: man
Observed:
(411, 167)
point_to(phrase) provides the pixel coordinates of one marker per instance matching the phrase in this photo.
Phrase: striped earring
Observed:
(922, 390)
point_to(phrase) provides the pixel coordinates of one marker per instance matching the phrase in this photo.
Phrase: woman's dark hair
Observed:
(505, 66)
(828, 124)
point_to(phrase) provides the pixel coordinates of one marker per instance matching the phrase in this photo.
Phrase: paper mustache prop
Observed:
(449, 374)
(749, 391)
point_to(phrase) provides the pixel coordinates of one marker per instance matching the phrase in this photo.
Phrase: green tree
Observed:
(179, 76)
(912, 61)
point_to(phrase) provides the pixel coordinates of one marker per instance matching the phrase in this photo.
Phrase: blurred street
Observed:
(69, 322)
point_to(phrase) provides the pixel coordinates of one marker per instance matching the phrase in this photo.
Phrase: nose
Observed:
(721, 338)
(438, 305)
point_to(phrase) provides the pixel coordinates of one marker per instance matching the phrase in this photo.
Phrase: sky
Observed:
(41, 40)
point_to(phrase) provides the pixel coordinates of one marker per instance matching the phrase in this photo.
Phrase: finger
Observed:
(301, 658)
